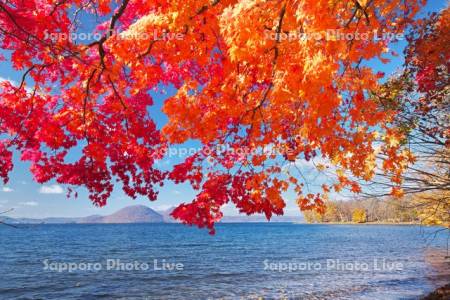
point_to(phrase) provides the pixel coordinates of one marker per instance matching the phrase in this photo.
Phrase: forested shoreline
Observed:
(413, 210)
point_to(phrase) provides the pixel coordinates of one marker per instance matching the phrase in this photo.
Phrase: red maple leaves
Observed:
(80, 115)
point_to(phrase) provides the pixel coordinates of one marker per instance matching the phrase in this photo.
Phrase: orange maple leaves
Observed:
(239, 85)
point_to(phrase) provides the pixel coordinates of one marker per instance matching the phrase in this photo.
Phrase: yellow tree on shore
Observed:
(359, 215)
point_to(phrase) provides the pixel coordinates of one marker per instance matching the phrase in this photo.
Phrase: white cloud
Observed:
(29, 203)
(6, 189)
(13, 82)
(175, 192)
(51, 189)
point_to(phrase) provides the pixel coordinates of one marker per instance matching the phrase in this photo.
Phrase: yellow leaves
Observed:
(359, 215)
(392, 139)
(173, 19)
(321, 167)
(409, 156)
(340, 173)
(432, 208)
(312, 64)
(336, 159)
(136, 39)
(369, 166)
(145, 23)
(375, 135)
(363, 3)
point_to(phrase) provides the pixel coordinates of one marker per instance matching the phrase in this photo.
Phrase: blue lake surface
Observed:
(242, 261)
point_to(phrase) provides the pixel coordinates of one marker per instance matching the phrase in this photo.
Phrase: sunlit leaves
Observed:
(239, 85)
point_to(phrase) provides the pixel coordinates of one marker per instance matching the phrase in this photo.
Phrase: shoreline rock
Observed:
(442, 293)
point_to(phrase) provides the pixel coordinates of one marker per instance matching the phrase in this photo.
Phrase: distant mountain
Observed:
(131, 214)
(38, 221)
(91, 219)
(56, 220)
(143, 214)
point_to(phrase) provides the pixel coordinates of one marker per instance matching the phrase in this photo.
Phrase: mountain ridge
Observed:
(141, 214)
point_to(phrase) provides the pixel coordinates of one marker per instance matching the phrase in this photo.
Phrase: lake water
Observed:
(242, 261)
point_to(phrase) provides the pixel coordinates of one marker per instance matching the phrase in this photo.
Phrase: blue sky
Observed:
(30, 199)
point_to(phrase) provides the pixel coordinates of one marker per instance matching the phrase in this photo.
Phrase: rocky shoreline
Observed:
(442, 293)
(439, 260)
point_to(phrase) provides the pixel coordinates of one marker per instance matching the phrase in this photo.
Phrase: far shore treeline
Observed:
(414, 210)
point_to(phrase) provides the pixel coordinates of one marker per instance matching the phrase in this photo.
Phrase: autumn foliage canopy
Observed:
(81, 115)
